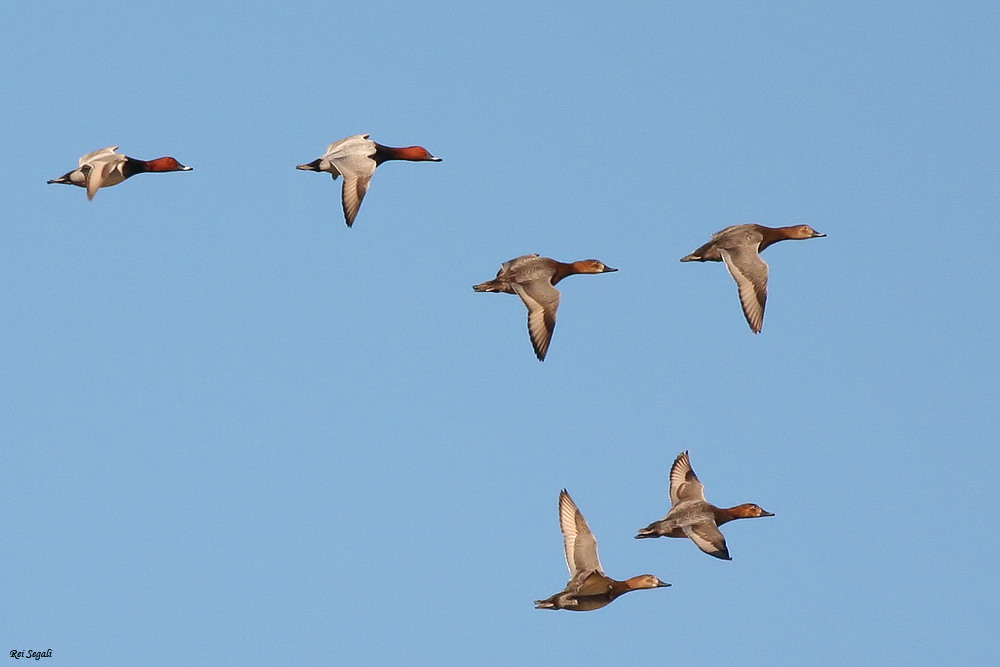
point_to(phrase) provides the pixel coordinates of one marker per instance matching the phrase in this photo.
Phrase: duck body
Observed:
(694, 517)
(588, 588)
(533, 278)
(739, 246)
(105, 168)
(596, 591)
(355, 159)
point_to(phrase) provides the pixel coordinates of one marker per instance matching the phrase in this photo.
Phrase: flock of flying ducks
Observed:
(690, 516)
(533, 278)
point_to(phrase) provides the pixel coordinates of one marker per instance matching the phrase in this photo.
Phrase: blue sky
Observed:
(238, 432)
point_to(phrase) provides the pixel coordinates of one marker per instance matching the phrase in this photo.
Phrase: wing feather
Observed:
(97, 174)
(750, 273)
(353, 193)
(90, 157)
(542, 301)
(684, 484)
(708, 538)
(579, 542)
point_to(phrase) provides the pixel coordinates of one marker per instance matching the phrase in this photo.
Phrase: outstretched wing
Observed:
(542, 301)
(709, 539)
(750, 273)
(353, 192)
(684, 484)
(579, 543)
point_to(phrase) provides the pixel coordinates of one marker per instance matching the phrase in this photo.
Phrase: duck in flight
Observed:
(588, 588)
(739, 247)
(355, 158)
(533, 278)
(104, 168)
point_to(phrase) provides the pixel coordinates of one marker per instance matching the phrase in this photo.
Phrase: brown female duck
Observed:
(739, 247)
(588, 588)
(692, 516)
(533, 278)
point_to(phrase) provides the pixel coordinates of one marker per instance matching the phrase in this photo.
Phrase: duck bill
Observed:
(608, 269)
(763, 513)
(816, 234)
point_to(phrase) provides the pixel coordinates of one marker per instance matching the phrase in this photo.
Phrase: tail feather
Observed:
(489, 286)
(310, 166)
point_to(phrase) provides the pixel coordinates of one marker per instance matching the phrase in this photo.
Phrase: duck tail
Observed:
(310, 166)
(489, 286)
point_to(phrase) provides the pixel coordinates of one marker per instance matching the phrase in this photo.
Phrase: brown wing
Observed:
(596, 583)
(708, 538)
(578, 541)
(542, 301)
(750, 273)
(684, 484)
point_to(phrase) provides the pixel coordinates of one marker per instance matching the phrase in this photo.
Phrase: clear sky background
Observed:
(237, 432)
